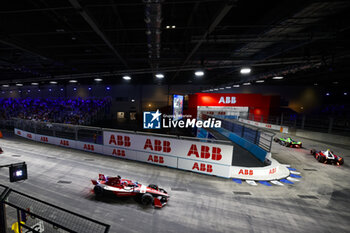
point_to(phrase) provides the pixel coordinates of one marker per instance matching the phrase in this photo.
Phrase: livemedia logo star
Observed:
(151, 120)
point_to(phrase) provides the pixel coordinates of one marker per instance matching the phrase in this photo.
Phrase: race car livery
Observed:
(288, 142)
(327, 157)
(124, 188)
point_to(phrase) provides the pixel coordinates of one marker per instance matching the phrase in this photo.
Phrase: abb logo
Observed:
(155, 159)
(205, 152)
(268, 126)
(245, 172)
(89, 147)
(118, 152)
(44, 139)
(227, 100)
(157, 145)
(29, 135)
(202, 167)
(121, 141)
(64, 143)
(19, 132)
(273, 170)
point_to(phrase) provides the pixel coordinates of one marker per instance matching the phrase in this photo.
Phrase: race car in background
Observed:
(327, 157)
(127, 188)
(288, 142)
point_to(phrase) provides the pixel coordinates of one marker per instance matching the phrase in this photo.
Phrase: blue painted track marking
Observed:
(295, 176)
(286, 181)
(265, 183)
(238, 181)
(292, 169)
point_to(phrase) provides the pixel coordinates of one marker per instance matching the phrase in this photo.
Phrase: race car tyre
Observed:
(153, 186)
(320, 159)
(98, 191)
(147, 199)
(313, 151)
(287, 144)
(341, 161)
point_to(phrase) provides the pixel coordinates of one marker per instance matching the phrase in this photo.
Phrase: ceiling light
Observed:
(315, 84)
(98, 79)
(73, 81)
(50, 89)
(133, 100)
(246, 84)
(260, 81)
(245, 70)
(108, 88)
(327, 94)
(74, 38)
(236, 85)
(173, 26)
(19, 84)
(28, 91)
(159, 75)
(74, 88)
(277, 77)
(228, 87)
(35, 84)
(335, 82)
(5, 85)
(61, 89)
(167, 26)
(126, 77)
(199, 73)
(345, 93)
(90, 88)
(53, 82)
(215, 89)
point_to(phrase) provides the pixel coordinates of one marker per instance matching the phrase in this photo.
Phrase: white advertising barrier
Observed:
(45, 139)
(201, 151)
(65, 142)
(274, 171)
(282, 129)
(25, 134)
(91, 147)
(205, 168)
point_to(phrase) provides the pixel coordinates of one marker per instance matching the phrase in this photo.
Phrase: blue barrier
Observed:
(258, 152)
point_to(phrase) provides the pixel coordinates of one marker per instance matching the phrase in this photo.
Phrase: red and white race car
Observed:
(327, 156)
(127, 188)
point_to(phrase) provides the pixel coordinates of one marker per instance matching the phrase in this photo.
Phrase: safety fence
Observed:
(259, 137)
(325, 124)
(20, 212)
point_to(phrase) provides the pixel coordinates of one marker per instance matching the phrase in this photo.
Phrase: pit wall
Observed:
(282, 129)
(155, 150)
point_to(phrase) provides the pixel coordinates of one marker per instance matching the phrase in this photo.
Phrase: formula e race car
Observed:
(127, 188)
(288, 142)
(327, 157)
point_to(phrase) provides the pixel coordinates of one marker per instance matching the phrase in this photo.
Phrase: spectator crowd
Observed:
(69, 111)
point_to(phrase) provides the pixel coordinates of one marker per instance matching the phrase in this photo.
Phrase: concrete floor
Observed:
(202, 204)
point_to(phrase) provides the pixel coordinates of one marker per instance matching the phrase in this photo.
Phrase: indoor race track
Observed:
(319, 202)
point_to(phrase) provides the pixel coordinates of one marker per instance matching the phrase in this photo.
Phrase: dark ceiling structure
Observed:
(306, 42)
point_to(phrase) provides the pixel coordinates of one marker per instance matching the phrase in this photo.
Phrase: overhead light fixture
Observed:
(98, 79)
(50, 89)
(345, 93)
(236, 85)
(35, 84)
(159, 75)
(61, 89)
(228, 87)
(167, 27)
(315, 84)
(5, 85)
(246, 84)
(277, 77)
(327, 94)
(126, 77)
(28, 91)
(260, 81)
(335, 82)
(53, 82)
(90, 88)
(173, 26)
(19, 84)
(108, 88)
(74, 38)
(199, 73)
(74, 88)
(133, 100)
(245, 70)
(73, 81)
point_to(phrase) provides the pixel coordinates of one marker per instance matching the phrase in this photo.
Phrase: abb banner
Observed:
(195, 150)
(91, 147)
(202, 167)
(45, 139)
(282, 129)
(25, 134)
